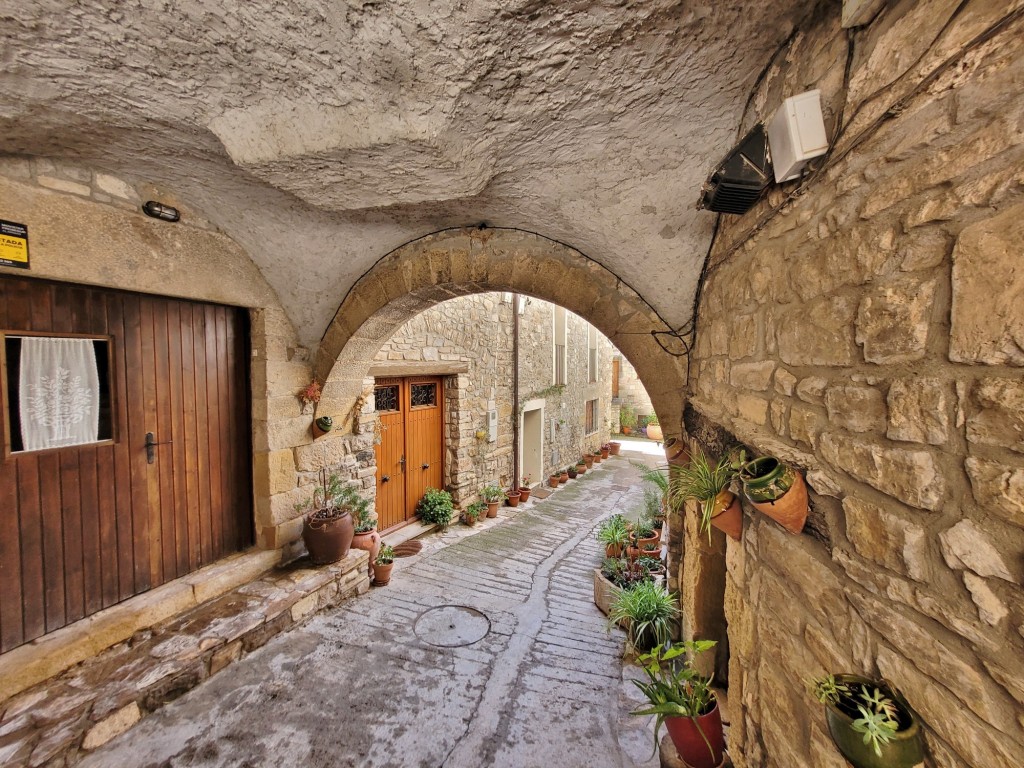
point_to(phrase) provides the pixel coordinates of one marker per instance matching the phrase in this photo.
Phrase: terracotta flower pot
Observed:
(632, 552)
(382, 574)
(627, 430)
(604, 452)
(649, 544)
(613, 550)
(369, 541)
(581, 469)
(553, 481)
(597, 457)
(563, 478)
(654, 432)
(613, 448)
(790, 509)
(728, 515)
(686, 734)
(513, 498)
(524, 493)
(492, 508)
(328, 541)
(676, 451)
(588, 461)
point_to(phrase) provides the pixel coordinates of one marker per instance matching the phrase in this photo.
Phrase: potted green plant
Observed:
(613, 533)
(596, 456)
(643, 532)
(654, 428)
(870, 722)
(682, 700)
(627, 418)
(777, 490)
(563, 476)
(708, 483)
(328, 526)
(436, 508)
(492, 495)
(471, 514)
(366, 536)
(648, 609)
(554, 479)
(571, 471)
(382, 566)
(524, 489)
(606, 449)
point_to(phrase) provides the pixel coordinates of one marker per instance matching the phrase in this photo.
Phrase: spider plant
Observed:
(649, 610)
(701, 480)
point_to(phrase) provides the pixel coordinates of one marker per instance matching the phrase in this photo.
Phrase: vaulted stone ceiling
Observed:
(322, 135)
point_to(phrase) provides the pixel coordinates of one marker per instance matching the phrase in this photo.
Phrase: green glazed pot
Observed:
(905, 750)
(324, 423)
(766, 479)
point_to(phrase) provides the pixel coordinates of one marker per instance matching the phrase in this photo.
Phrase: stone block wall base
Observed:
(60, 719)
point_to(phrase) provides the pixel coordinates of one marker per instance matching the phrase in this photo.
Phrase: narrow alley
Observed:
(525, 675)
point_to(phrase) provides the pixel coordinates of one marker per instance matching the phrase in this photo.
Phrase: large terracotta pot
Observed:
(513, 498)
(613, 550)
(589, 461)
(676, 451)
(613, 448)
(686, 734)
(328, 541)
(727, 515)
(654, 432)
(649, 544)
(553, 481)
(903, 751)
(492, 508)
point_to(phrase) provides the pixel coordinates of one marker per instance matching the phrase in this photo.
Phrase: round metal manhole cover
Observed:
(449, 626)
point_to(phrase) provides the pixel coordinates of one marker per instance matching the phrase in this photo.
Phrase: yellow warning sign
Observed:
(13, 244)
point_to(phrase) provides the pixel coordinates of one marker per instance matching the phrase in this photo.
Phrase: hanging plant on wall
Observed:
(708, 482)
(310, 396)
(777, 490)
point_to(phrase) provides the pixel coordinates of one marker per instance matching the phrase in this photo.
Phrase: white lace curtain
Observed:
(59, 399)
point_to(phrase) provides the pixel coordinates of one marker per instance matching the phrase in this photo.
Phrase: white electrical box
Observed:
(796, 134)
(492, 426)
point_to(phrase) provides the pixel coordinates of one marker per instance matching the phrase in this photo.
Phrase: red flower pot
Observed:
(686, 734)
(492, 508)
(513, 498)
(524, 493)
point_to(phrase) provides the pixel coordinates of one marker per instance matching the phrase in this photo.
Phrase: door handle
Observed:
(402, 462)
(151, 445)
(425, 466)
(385, 478)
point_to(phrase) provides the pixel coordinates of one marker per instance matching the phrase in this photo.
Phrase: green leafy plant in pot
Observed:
(683, 701)
(492, 495)
(648, 611)
(436, 507)
(613, 533)
(382, 565)
(870, 722)
(708, 483)
(777, 490)
(472, 513)
(328, 526)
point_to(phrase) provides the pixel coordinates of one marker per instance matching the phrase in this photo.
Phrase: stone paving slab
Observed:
(357, 685)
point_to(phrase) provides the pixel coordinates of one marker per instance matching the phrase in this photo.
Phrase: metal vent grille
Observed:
(738, 182)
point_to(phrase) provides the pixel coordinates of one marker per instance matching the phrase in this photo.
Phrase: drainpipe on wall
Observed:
(515, 391)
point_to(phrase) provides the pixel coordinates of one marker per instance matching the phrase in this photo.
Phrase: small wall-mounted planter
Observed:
(777, 490)
(322, 425)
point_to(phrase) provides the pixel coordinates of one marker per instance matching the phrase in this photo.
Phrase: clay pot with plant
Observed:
(627, 419)
(708, 483)
(512, 495)
(436, 508)
(777, 490)
(648, 611)
(563, 476)
(597, 456)
(524, 489)
(654, 428)
(588, 460)
(870, 722)
(471, 514)
(682, 700)
(605, 451)
(613, 533)
(614, 447)
(382, 566)
(581, 468)
(328, 526)
(492, 496)
(366, 537)
(571, 471)
(554, 479)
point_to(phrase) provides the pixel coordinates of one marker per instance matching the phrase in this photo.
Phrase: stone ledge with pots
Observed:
(57, 721)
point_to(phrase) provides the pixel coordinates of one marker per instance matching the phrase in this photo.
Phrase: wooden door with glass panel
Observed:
(410, 453)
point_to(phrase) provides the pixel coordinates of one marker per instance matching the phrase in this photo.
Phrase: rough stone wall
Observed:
(565, 436)
(475, 330)
(871, 330)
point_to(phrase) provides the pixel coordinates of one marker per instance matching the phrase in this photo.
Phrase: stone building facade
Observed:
(475, 333)
(631, 392)
(869, 330)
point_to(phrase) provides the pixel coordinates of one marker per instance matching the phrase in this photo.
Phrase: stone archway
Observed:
(457, 262)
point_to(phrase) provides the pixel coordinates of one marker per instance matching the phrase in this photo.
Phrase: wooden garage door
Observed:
(84, 527)
(410, 454)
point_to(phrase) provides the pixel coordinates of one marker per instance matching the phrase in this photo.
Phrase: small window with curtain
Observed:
(57, 391)
(591, 420)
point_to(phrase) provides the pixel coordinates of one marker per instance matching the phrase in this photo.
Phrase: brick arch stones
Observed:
(457, 262)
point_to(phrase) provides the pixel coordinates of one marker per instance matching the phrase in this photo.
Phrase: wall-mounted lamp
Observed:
(160, 211)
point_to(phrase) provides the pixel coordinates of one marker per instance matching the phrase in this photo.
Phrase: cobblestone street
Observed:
(361, 686)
